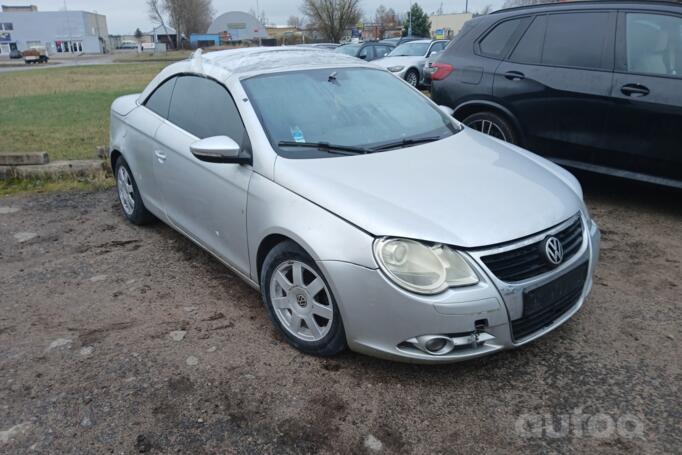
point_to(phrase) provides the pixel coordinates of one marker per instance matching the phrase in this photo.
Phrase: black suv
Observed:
(590, 85)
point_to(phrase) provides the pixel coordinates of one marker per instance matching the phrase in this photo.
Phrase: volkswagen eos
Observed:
(365, 214)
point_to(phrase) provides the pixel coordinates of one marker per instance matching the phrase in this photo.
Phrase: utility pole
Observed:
(466, 6)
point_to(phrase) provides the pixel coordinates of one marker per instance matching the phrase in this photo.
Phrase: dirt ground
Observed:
(93, 360)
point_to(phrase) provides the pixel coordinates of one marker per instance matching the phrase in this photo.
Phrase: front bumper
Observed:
(379, 317)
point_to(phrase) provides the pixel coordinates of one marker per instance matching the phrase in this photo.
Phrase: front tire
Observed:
(493, 125)
(412, 78)
(129, 195)
(300, 302)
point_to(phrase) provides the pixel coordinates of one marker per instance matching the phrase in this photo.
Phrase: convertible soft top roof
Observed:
(254, 60)
(268, 58)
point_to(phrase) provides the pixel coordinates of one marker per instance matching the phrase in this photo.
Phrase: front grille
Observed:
(544, 305)
(529, 261)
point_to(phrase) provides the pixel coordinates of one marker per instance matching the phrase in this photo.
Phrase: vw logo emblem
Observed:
(554, 250)
(301, 300)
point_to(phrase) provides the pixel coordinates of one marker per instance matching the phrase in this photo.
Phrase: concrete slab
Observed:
(6, 172)
(22, 159)
(58, 169)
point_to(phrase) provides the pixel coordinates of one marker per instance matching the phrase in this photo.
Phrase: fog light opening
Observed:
(435, 344)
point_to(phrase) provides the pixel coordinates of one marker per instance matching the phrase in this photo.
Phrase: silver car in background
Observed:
(366, 216)
(408, 59)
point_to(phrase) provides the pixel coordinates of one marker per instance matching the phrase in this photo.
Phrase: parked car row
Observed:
(407, 60)
(590, 85)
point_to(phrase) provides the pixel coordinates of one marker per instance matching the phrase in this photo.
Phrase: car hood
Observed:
(398, 61)
(468, 190)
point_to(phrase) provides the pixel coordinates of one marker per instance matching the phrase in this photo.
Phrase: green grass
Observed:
(14, 187)
(170, 56)
(65, 111)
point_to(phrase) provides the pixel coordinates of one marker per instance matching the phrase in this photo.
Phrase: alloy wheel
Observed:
(488, 127)
(412, 78)
(126, 192)
(301, 301)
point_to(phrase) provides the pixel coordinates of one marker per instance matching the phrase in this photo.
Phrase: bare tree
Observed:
(189, 16)
(487, 9)
(385, 18)
(332, 17)
(295, 21)
(155, 10)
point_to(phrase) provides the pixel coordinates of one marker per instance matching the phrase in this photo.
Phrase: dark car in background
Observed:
(368, 51)
(590, 85)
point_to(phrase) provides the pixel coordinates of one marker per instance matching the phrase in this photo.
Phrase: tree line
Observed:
(330, 18)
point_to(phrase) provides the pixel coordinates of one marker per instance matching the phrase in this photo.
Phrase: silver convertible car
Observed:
(366, 215)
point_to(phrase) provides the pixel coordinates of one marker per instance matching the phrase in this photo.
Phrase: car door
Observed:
(557, 82)
(207, 201)
(140, 141)
(647, 94)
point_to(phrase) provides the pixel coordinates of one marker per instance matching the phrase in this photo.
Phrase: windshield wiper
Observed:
(325, 147)
(404, 143)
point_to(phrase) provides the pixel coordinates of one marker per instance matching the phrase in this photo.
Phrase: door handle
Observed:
(634, 90)
(514, 75)
(160, 156)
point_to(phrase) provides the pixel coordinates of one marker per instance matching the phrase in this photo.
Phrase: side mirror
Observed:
(447, 110)
(218, 149)
(364, 57)
(433, 53)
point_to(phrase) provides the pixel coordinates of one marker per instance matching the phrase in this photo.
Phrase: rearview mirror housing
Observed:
(218, 149)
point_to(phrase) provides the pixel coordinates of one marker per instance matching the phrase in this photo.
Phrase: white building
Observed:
(58, 31)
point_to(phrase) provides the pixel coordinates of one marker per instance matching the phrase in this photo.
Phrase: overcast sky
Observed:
(124, 16)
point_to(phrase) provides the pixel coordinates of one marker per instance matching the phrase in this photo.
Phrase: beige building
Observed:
(449, 24)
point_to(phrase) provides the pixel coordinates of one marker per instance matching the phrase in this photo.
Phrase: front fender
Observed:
(273, 209)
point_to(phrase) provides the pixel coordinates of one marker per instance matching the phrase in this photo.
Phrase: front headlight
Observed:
(422, 268)
(395, 69)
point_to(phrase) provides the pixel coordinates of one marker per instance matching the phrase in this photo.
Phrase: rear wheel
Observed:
(412, 77)
(300, 301)
(493, 125)
(129, 195)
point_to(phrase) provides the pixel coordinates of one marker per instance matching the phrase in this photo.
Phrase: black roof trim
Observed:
(592, 4)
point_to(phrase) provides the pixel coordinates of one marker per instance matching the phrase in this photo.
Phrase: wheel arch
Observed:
(266, 245)
(114, 157)
(468, 108)
(273, 239)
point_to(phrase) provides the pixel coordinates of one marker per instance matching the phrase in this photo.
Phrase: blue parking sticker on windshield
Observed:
(297, 134)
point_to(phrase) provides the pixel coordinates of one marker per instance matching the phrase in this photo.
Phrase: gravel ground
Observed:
(119, 339)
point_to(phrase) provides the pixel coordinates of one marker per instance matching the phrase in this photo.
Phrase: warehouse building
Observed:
(237, 26)
(60, 32)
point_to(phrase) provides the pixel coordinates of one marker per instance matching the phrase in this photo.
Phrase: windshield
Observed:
(348, 49)
(410, 49)
(349, 107)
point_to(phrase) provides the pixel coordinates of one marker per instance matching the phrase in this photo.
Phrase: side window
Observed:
(159, 101)
(381, 51)
(577, 39)
(204, 108)
(529, 49)
(498, 41)
(365, 53)
(653, 44)
(437, 47)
